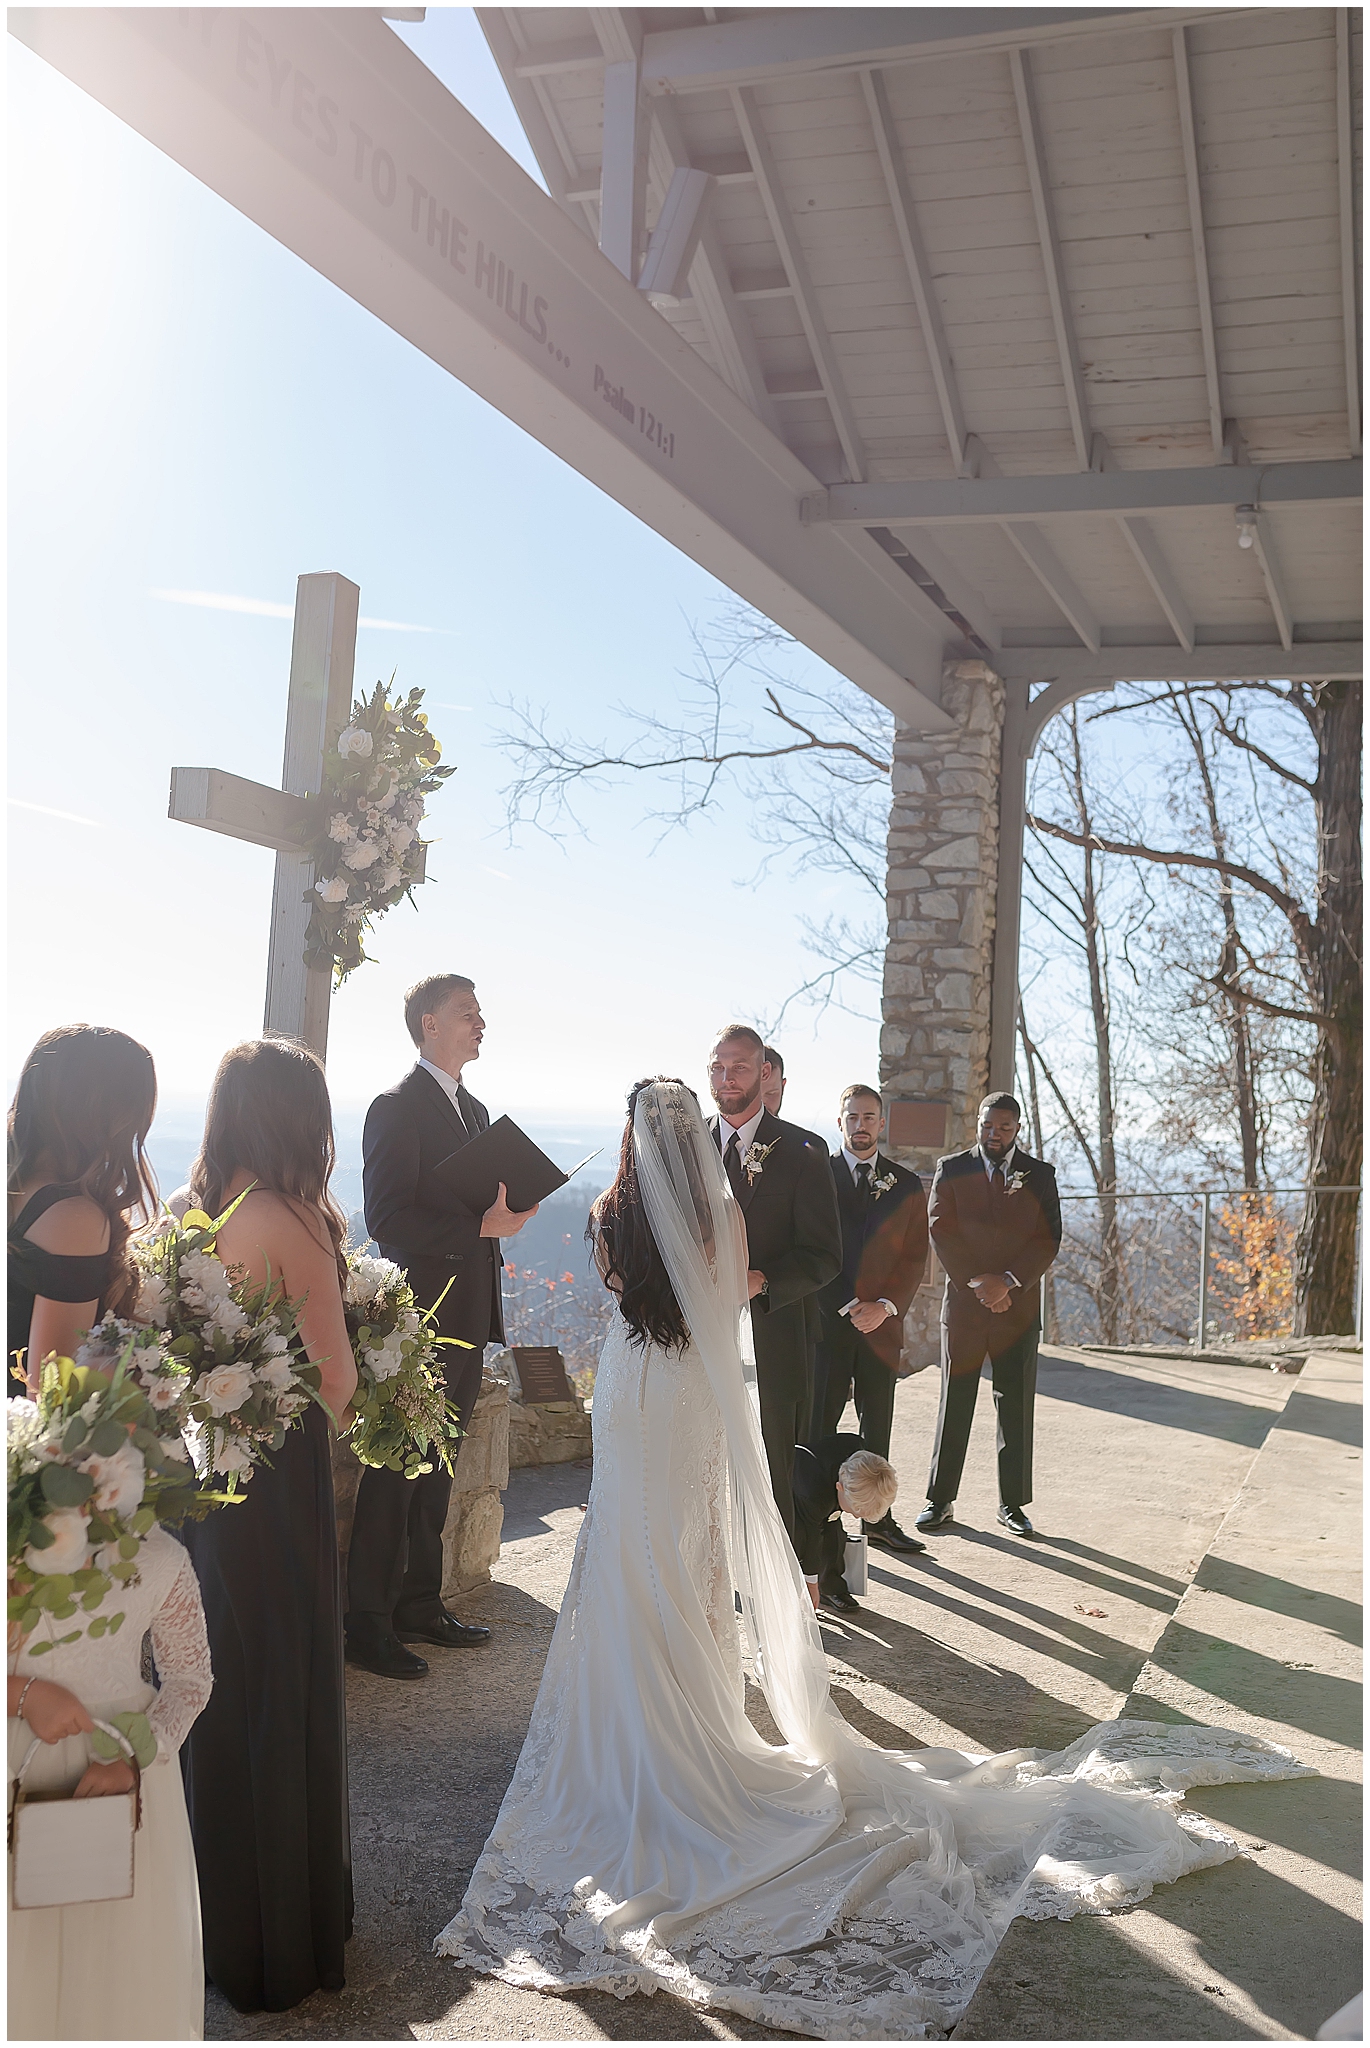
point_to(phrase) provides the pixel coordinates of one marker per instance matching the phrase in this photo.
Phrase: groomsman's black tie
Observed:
(863, 1182)
(732, 1164)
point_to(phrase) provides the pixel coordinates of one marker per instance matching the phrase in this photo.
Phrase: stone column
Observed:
(939, 960)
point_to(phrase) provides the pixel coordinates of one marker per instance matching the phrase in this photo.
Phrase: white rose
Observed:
(333, 891)
(277, 1373)
(363, 854)
(225, 1388)
(118, 1479)
(401, 837)
(355, 743)
(390, 878)
(210, 1275)
(340, 828)
(70, 1550)
(228, 1317)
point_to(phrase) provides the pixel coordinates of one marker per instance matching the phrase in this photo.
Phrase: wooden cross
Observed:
(319, 705)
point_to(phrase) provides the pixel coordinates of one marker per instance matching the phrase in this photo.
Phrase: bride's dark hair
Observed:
(626, 1252)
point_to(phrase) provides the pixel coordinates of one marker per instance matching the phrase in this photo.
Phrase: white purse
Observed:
(73, 1852)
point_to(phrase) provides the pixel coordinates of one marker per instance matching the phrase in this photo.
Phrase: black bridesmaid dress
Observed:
(265, 1765)
(56, 1276)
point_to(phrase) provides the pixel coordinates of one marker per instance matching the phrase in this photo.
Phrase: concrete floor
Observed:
(986, 1643)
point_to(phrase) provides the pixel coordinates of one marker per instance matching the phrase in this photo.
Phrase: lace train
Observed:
(650, 1840)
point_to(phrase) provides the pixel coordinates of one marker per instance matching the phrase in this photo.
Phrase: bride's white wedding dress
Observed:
(651, 1839)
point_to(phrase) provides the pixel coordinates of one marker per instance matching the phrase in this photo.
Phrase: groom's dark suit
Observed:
(394, 1568)
(794, 1237)
(983, 1225)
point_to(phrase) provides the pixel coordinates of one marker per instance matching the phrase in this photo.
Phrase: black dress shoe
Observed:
(936, 1515)
(838, 1600)
(889, 1536)
(445, 1630)
(380, 1650)
(1015, 1520)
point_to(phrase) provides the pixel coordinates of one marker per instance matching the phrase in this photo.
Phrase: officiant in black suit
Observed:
(794, 1241)
(394, 1571)
(884, 1254)
(995, 1218)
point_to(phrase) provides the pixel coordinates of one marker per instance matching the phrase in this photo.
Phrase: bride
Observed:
(650, 1838)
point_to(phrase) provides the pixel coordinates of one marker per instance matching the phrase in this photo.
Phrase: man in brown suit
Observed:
(995, 1219)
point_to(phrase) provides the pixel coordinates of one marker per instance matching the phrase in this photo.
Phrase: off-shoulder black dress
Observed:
(55, 1276)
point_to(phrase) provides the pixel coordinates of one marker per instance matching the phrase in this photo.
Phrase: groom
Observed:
(394, 1570)
(794, 1241)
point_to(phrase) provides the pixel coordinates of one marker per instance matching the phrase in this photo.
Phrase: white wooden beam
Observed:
(1159, 574)
(963, 594)
(220, 802)
(729, 330)
(916, 263)
(555, 60)
(785, 42)
(546, 136)
(1056, 580)
(1069, 494)
(1346, 209)
(623, 172)
(1211, 661)
(674, 239)
(796, 267)
(1039, 184)
(1263, 549)
(1184, 87)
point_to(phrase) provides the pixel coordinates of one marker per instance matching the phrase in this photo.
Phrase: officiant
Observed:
(394, 1572)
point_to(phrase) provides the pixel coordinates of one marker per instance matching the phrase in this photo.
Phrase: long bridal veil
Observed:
(651, 1839)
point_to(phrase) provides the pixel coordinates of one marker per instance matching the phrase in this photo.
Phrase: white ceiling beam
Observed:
(554, 60)
(785, 42)
(963, 594)
(546, 136)
(731, 338)
(1159, 574)
(623, 164)
(916, 263)
(1056, 580)
(1068, 493)
(797, 270)
(1039, 184)
(1346, 208)
(1198, 237)
(1263, 549)
(1209, 662)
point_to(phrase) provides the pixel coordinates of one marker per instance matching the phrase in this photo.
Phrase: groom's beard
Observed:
(733, 1102)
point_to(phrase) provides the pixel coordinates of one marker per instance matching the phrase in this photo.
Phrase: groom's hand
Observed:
(755, 1282)
(500, 1220)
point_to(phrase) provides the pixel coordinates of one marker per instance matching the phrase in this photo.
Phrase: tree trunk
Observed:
(1110, 1245)
(1325, 1256)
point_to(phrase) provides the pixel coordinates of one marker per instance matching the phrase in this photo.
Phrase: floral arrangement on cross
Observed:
(365, 844)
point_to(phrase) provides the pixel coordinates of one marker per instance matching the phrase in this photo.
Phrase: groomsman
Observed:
(781, 1179)
(773, 1083)
(394, 1571)
(884, 1254)
(995, 1218)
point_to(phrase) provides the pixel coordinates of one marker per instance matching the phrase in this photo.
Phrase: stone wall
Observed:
(470, 1539)
(548, 1433)
(939, 962)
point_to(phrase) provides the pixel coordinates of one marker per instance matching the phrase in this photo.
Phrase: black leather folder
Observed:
(503, 1153)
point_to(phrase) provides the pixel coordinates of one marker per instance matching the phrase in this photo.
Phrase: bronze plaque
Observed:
(542, 1374)
(918, 1126)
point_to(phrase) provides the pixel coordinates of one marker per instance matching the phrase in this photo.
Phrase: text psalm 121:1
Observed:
(639, 416)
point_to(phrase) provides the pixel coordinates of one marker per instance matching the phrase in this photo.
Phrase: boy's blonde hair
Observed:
(870, 1484)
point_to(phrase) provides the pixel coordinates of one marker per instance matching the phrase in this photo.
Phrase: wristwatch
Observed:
(765, 1286)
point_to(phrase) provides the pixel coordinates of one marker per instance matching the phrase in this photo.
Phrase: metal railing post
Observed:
(1202, 1338)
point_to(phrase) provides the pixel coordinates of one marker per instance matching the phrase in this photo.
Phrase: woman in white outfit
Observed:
(650, 1837)
(117, 1969)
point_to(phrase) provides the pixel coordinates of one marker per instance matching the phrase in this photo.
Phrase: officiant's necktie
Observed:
(732, 1164)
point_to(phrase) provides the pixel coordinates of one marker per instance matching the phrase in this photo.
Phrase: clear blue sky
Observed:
(195, 410)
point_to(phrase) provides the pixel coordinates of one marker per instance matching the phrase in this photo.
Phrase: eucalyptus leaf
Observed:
(65, 1487)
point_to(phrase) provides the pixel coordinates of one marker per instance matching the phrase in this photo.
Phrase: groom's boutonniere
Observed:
(883, 1183)
(1015, 1182)
(754, 1159)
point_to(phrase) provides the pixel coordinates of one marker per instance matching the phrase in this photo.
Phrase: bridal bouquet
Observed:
(90, 1472)
(365, 845)
(404, 1418)
(210, 1349)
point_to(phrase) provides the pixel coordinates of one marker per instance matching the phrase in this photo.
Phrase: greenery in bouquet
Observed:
(212, 1347)
(405, 1421)
(365, 844)
(90, 1471)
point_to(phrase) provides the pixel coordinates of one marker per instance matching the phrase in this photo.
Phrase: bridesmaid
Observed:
(77, 1174)
(266, 1763)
